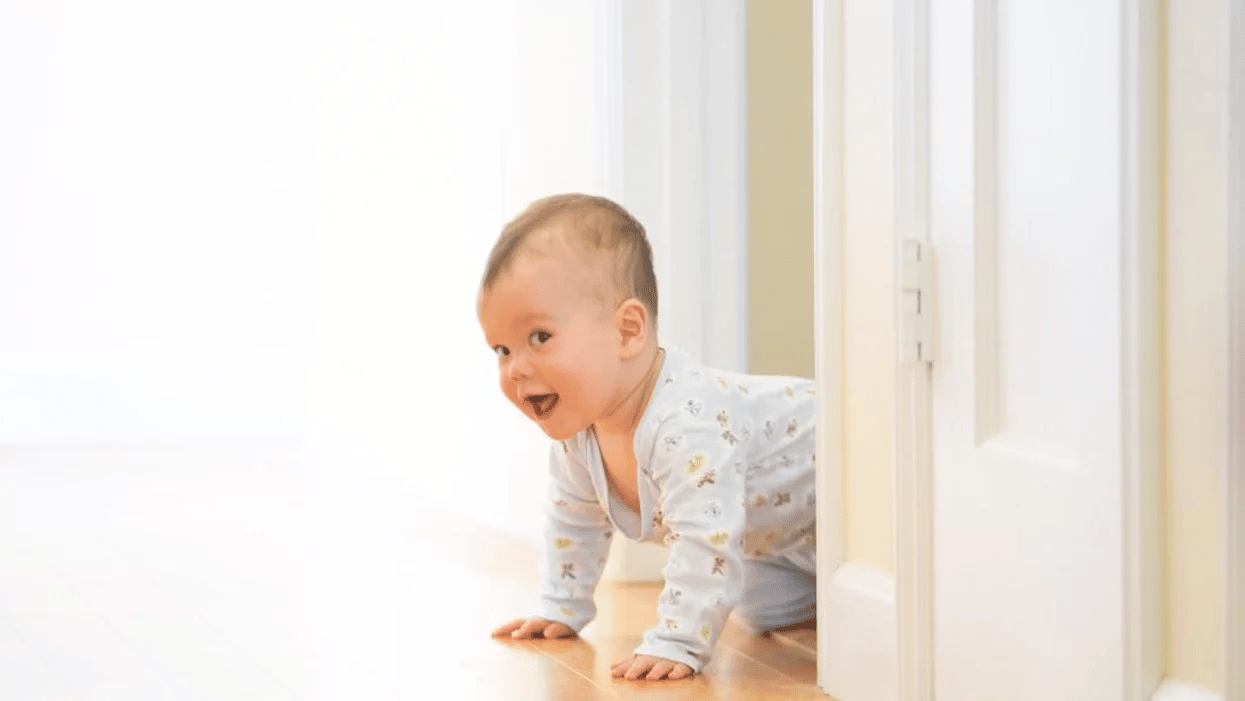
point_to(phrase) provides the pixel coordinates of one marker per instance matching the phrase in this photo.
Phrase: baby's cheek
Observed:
(511, 391)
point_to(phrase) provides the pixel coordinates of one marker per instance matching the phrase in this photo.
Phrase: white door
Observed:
(1031, 215)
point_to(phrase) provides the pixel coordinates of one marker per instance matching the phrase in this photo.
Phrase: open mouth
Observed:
(543, 404)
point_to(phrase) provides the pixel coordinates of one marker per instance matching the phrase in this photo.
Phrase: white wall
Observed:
(557, 129)
(555, 135)
(267, 220)
(257, 220)
(644, 102)
(145, 179)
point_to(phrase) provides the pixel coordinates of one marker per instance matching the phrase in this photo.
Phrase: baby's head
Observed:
(569, 303)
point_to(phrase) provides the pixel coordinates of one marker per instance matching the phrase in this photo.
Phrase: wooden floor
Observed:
(167, 575)
(745, 666)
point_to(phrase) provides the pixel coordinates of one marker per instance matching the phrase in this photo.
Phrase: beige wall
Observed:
(780, 187)
(1196, 337)
(780, 222)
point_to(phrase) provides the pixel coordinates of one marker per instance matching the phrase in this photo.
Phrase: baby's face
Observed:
(558, 350)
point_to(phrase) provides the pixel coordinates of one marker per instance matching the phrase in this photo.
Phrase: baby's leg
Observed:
(810, 624)
(778, 596)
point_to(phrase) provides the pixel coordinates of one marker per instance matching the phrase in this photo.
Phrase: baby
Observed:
(716, 465)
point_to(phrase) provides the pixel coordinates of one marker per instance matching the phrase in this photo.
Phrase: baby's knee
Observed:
(779, 608)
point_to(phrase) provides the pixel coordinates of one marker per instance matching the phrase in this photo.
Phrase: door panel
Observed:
(1025, 184)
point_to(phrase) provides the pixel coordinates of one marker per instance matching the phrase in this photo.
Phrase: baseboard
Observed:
(1172, 690)
(856, 635)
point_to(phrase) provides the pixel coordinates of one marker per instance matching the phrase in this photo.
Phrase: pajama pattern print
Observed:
(725, 480)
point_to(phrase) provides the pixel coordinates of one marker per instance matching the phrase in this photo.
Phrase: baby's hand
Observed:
(651, 668)
(524, 628)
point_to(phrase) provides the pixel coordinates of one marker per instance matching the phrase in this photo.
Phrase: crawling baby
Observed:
(647, 441)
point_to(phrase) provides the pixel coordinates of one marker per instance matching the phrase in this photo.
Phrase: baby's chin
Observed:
(561, 432)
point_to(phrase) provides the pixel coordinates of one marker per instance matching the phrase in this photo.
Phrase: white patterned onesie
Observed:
(725, 476)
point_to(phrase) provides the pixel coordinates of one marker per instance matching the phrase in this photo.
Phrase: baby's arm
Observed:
(577, 541)
(702, 484)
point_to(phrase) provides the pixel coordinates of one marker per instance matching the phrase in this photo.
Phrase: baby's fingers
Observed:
(640, 667)
(661, 669)
(525, 628)
(558, 630)
(530, 628)
(510, 627)
(650, 668)
(621, 666)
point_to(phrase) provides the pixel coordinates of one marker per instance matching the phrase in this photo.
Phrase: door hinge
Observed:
(917, 307)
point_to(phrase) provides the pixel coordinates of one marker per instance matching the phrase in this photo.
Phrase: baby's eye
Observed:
(501, 351)
(541, 337)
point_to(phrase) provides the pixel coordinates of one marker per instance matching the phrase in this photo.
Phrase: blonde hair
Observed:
(597, 224)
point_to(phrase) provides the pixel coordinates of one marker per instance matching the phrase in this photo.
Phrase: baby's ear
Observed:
(632, 322)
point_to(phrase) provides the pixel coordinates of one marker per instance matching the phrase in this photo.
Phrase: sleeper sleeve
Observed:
(701, 487)
(577, 541)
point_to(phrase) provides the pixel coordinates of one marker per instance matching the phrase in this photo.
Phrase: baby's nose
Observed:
(519, 367)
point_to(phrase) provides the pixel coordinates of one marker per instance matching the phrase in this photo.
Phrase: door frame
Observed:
(914, 495)
(855, 632)
(1234, 470)
(1142, 111)
(828, 288)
